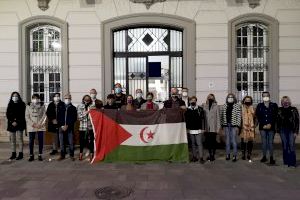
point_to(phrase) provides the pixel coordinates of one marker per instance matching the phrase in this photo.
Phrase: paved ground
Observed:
(79, 180)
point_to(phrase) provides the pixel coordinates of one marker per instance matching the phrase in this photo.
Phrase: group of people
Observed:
(203, 121)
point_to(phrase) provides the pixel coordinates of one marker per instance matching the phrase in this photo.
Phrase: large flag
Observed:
(139, 136)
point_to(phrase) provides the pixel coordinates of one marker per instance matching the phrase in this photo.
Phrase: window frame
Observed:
(273, 60)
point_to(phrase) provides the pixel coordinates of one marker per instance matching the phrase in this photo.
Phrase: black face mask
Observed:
(248, 103)
(193, 103)
(210, 101)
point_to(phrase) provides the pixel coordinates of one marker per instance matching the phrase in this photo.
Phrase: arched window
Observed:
(148, 58)
(43, 57)
(45, 61)
(254, 56)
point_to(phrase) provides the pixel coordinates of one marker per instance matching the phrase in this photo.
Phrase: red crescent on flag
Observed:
(142, 135)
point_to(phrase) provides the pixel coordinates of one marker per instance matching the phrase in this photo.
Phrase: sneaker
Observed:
(31, 158)
(20, 156)
(234, 159)
(13, 156)
(264, 159)
(272, 161)
(53, 152)
(228, 157)
(40, 158)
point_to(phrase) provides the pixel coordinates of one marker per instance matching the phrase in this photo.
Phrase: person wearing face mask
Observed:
(231, 122)
(53, 110)
(66, 120)
(110, 102)
(212, 127)
(248, 127)
(97, 103)
(266, 113)
(129, 103)
(288, 127)
(16, 124)
(184, 96)
(120, 98)
(139, 100)
(35, 121)
(149, 105)
(86, 135)
(174, 101)
(195, 124)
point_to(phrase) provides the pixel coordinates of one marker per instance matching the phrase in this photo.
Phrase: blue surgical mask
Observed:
(118, 90)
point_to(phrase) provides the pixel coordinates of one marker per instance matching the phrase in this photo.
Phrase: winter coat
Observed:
(236, 117)
(195, 118)
(67, 116)
(212, 118)
(16, 113)
(290, 121)
(35, 114)
(53, 113)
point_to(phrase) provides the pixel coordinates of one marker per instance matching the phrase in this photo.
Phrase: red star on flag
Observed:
(150, 135)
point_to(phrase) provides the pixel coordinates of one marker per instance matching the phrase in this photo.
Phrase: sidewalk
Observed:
(80, 180)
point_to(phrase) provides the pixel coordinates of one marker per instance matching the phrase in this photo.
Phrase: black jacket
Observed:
(195, 118)
(67, 115)
(267, 115)
(178, 103)
(288, 118)
(53, 113)
(107, 106)
(16, 113)
(138, 103)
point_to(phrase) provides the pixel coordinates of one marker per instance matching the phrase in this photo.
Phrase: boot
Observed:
(234, 159)
(228, 157)
(20, 156)
(243, 147)
(244, 155)
(13, 156)
(264, 159)
(202, 161)
(40, 157)
(31, 158)
(272, 161)
(53, 152)
(249, 149)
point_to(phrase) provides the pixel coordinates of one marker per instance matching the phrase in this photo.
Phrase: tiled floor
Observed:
(79, 180)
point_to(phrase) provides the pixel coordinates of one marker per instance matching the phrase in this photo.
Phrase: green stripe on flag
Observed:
(171, 152)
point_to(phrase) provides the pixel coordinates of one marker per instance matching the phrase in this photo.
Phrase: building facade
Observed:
(208, 46)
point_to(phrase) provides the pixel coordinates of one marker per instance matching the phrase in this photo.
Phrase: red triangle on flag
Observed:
(108, 134)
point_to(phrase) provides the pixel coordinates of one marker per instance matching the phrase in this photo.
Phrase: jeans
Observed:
(62, 135)
(31, 141)
(288, 147)
(14, 137)
(267, 139)
(196, 142)
(230, 135)
(86, 140)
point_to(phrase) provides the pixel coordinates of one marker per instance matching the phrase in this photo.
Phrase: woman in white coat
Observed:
(35, 120)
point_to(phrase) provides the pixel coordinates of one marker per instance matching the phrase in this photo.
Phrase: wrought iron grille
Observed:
(45, 61)
(132, 48)
(251, 62)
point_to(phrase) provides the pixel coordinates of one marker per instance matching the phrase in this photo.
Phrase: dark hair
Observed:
(110, 96)
(211, 94)
(265, 92)
(234, 97)
(19, 96)
(86, 96)
(243, 101)
(150, 93)
(36, 96)
(193, 97)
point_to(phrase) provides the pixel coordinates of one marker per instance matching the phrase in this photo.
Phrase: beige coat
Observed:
(212, 118)
(35, 114)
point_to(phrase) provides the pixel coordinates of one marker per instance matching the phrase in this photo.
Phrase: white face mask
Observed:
(139, 95)
(56, 99)
(93, 96)
(266, 99)
(184, 94)
(35, 101)
(67, 101)
(230, 99)
(15, 99)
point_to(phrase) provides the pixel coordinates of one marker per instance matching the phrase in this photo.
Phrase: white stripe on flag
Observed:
(157, 134)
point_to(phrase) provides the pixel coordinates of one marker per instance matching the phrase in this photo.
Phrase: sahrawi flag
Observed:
(139, 135)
